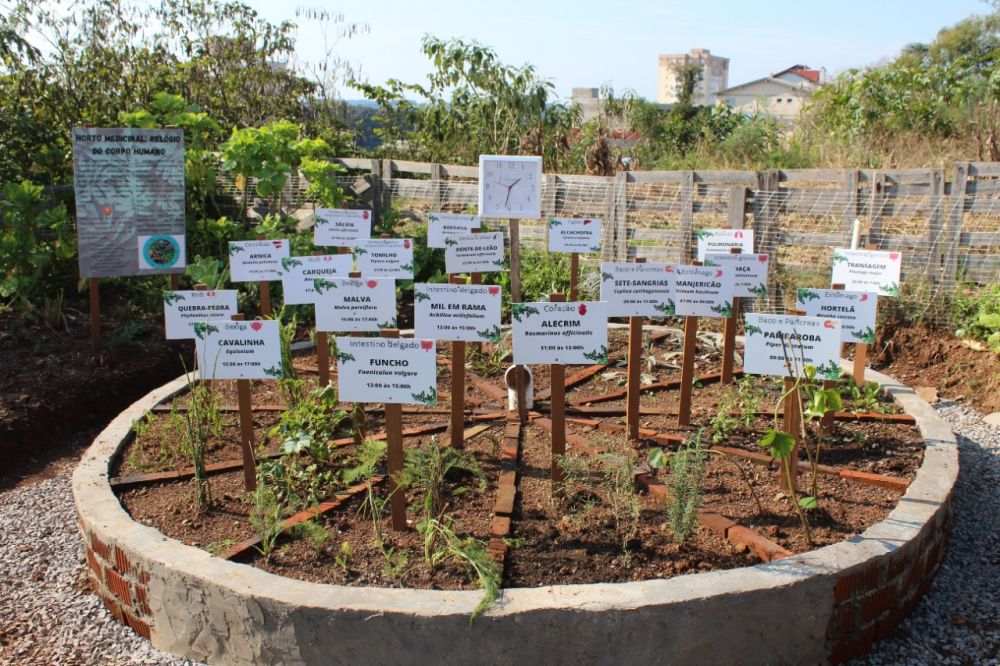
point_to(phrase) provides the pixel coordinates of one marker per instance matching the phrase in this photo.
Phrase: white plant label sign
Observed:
(298, 275)
(749, 272)
(573, 333)
(475, 253)
(256, 260)
(442, 226)
(637, 290)
(341, 227)
(718, 241)
(574, 234)
(856, 311)
(811, 341)
(867, 270)
(385, 257)
(390, 370)
(238, 349)
(702, 291)
(181, 309)
(457, 312)
(351, 305)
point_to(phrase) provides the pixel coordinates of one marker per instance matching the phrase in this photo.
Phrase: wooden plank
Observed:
(737, 208)
(487, 387)
(875, 212)
(356, 163)
(707, 378)
(979, 169)
(460, 171)
(850, 187)
(133, 480)
(687, 218)
(979, 238)
(977, 187)
(811, 175)
(953, 225)
(654, 177)
(935, 228)
(617, 220)
(743, 178)
(980, 268)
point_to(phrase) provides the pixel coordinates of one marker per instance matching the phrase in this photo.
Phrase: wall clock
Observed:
(510, 186)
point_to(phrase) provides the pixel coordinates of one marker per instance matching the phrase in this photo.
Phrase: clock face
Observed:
(510, 186)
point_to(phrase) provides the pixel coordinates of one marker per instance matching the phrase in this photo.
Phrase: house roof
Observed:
(801, 70)
(766, 79)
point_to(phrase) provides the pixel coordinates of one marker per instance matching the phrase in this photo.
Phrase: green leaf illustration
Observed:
(838, 257)
(433, 218)
(171, 297)
(606, 276)
(428, 397)
(275, 372)
(288, 263)
(360, 250)
(406, 267)
(750, 329)
(344, 357)
(388, 324)
(598, 356)
(322, 284)
(553, 223)
(595, 248)
(702, 233)
(891, 289)
(866, 336)
(235, 249)
(669, 309)
(806, 295)
(421, 296)
(829, 370)
(724, 310)
(490, 334)
(760, 291)
(202, 329)
(709, 262)
(518, 310)
(450, 241)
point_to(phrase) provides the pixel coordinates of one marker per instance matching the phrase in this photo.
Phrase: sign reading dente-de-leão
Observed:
(574, 234)
(389, 370)
(129, 186)
(181, 309)
(341, 227)
(867, 270)
(856, 311)
(702, 291)
(457, 312)
(475, 253)
(442, 226)
(256, 260)
(298, 275)
(238, 349)
(385, 257)
(572, 333)
(777, 345)
(749, 272)
(637, 290)
(350, 305)
(720, 240)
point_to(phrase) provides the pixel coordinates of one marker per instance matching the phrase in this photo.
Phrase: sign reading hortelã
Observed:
(442, 226)
(867, 270)
(457, 312)
(572, 333)
(389, 370)
(574, 234)
(181, 309)
(702, 291)
(238, 349)
(778, 345)
(256, 260)
(351, 305)
(298, 275)
(637, 290)
(475, 253)
(718, 241)
(341, 227)
(129, 186)
(385, 257)
(856, 311)
(749, 272)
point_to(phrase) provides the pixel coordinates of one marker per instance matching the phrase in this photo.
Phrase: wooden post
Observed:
(265, 298)
(246, 429)
(791, 426)
(557, 401)
(634, 383)
(394, 444)
(175, 281)
(457, 387)
(687, 370)
(574, 274)
(687, 251)
(94, 287)
(358, 413)
(520, 376)
(729, 336)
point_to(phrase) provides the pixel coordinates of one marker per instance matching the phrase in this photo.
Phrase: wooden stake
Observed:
(394, 443)
(860, 360)
(634, 383)
(574, 274)
(265, 298)
(791, 426)
(175, 281)
(729, 335)
(687, 370)
(94, 287)
(457, 387)
(358, 417)
(557, 402)
(246, 429)
(323, 350)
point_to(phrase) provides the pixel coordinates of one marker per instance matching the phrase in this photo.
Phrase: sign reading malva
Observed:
(702, 291)
(749, 272)
(718, 241)
(299, 274)
(238, 349)
(388, 370)
(457, 312)
(385, 257)
(867, 270)
(352, 305)
(856, 311)
(475, 253)
(442, 226)
(181, 309)
(574, 234)
(340, 227)
(780, 345)
(637, 290)
(574, 333)
(256, 260)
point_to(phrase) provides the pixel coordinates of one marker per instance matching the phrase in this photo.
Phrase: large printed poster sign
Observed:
(572, 333)
(867, 270)
(457, 312)
(637, 290)
(238, 349)
(778, 345)
(129, 187)
(390, 370)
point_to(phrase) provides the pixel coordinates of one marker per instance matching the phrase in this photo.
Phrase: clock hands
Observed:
(509, 188)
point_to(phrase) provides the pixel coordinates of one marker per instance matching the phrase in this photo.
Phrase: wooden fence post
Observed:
(616, 247)
(376, 188)
(550, 198)
(935, 228)
(687, 218)
(956, 215)
(765, 221)
(437, 185)
(850, 186)
(386, 190)
(875, 209)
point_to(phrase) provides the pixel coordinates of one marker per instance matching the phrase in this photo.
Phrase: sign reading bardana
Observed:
(256, 260)
(387, 370)
(867, 270)
(457, 312)
(718, 241)
(442, 226)
(341, 227)
(181, 309)
(574, 234)
(702, 291)
(573, 333)
(238, 349)
(749, 272)
(802, 341)
(475, 253)
(856, 311)
(637, 290)
(352, 305)
(385, 257)
(298, 275)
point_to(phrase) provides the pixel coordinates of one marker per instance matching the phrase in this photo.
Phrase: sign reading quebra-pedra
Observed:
(475, 253)
(637, 290)
(856, 311)
(181, 309)
(389, 370)
(129, 186)
(572, 333)
(385, 257)
(298, 275)
(341, 227)
(867, 270)
(770, 339)
(351, 305)
(442, 226)
(256, 260)
(574, 234)
(702, 291)
(718, 241)
(457, 312)
(238, 349)
(749, 272)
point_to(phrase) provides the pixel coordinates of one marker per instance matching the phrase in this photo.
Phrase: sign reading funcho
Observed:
(770, 339)
(390, 370)
(573, 333)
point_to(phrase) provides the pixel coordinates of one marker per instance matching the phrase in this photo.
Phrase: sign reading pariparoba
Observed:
(702, 291)
(457, 312)
(351, 305)
(867, 270)
(442, 226)
(718, 241)
(181, 309)
(637, 290)
(749, 272)
(299, 274)
(574, 234)
(341, 227)
(238, 349)
(574, 333)
(256, 260)
(390, 370)
(475, 253)
(856, 311)
(770, 339)
(385, 257)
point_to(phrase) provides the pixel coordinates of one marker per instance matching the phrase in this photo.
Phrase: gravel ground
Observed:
(47, 615)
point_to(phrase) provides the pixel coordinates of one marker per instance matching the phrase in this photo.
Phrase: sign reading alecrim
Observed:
(572, 333)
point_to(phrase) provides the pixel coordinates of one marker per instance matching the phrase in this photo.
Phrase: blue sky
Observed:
(587, 43)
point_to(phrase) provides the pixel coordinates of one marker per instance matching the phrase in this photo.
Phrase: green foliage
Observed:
(976, 313)
(443, 544)
(266, 516)
(315, 534)
(428, 469)
(343, 558)
(864, 398)
(198, 424)
(744, 398)
(687, 472)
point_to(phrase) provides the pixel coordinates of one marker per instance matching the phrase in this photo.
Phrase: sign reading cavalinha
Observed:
(181, 309)
(806, 341)
(385, 257)
(749, 272)
(389, 370)
(574, 234)
(718, 241)
(442, 226)
(637, 290)
(341, 227)
(238, 349)
(572, 333)
(475, 253)
(457, 312)
(702, 291)
(867, 270)
(298, 275)
(355, 304)
(256, 260)
(856, 311)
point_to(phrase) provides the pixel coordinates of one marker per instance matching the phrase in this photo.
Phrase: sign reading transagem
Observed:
(867, 270)
(387, 370)
(238, 349)
(571, 333)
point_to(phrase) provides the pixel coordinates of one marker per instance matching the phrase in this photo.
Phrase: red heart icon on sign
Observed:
(278, 243)
(107, 210)
(426, 344)
(738, 234)
(582, 309)
(668, 268)
(210, 294)
(256, 325)
(828, 323)
(718, 272)
(894, 256)
(372, 284)
(763, 258)
(494, 291)
(864, 297)
(586, 221)
(406, 244)
(364, 215)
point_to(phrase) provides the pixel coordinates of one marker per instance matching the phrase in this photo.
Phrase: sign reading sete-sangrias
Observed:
(475, 253)
(573, 333)
(574, 234)
(385, 257)
(442, 226)
(749, 272)
(298, 275)
(718, 241)
(856, 311)
(780, 345)
(457, 312)
(867, 270)
(388, 370)
(637, 290)
(238, 349)
(702, 291)
(181, 309)
(351, 305)
(341, 227)
(256, 260)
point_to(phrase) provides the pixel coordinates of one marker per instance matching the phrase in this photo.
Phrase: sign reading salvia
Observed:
(442, 226)
(718, 241)
(385, 257)
(572, 333)
(355, 304)
(388, 370)
(867, 270)
(256, 260)
(181, 309)
(475, 253)
(298, 275)
(238, 349)
(341, 227)
(574, 234)
(778, 345)
(457, 312)
(129, 186)
(702, 291)
(856, 311)
(749, 272)
(637, 290)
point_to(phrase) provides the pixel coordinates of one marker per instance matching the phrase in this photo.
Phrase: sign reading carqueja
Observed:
(129, 186)
(256, 260)
(856, 311)
(475, 253)
(771, 339)
(867, 270)
(181, 309)
(719, 241)
(298, 275)
(572, 333)
(351, 305)
(749, 272)
(341, 227)
(637, 290)
(702, 291)
(388, 370)
(442, 226)
(457, 312)
(238, 349)
(385, 257)
(574, 234)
